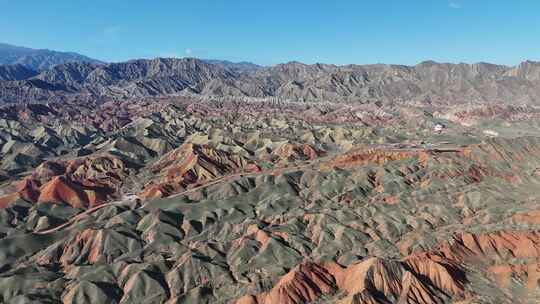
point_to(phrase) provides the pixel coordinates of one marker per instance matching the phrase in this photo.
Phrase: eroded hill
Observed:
(176, 201)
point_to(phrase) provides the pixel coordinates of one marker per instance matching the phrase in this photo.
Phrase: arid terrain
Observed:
(189, 181)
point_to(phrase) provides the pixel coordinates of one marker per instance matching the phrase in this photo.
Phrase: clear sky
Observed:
(274, 31)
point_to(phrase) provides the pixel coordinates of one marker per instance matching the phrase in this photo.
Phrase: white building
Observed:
(439, 128)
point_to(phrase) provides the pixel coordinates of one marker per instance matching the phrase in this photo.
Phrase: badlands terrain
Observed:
(190, 181)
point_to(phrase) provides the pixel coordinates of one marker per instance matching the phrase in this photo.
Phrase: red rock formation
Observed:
(375, 156)
(505, 248)
(532, 217)
(81, 183)
(8, 199)
(193, 164)
(60, 189)
(419, 279)
(26, 189)
(262, 237)
(444, 274)
(295, 152)
(528, 273)
(502, 244)
(303, 284)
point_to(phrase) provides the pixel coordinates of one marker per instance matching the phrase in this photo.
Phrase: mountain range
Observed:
(38, 59)
(30, 75)
(428, 82)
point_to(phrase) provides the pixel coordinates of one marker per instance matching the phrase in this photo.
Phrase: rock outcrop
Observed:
(417, 279)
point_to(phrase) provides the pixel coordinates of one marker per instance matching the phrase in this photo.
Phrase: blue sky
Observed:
(275, 31)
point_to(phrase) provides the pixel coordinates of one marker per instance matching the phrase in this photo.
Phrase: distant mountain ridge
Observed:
(428, 82)
(38, 59)
(16, 72)
(242, 66)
